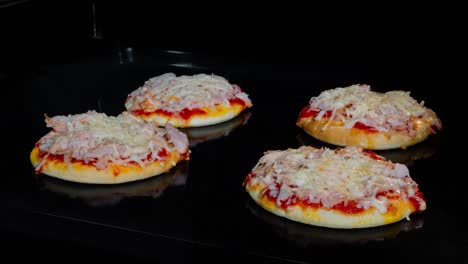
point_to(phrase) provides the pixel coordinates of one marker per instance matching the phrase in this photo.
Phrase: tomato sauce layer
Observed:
(373, 155)
(416, 203)
(185, 113)
(53, 157)
(349, 207)
(309, 112)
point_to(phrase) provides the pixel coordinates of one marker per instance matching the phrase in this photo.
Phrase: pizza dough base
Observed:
(337, 135)
(330, 218)
(214, 116)
(79, 172)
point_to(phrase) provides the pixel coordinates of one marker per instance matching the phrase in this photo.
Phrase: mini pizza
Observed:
(357, 116)
(95, 148)
(343, 188)
(187, 101)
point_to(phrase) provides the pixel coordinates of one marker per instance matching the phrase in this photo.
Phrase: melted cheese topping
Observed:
(330, 177)
(100, 139)
(394, 110)
(174, 94)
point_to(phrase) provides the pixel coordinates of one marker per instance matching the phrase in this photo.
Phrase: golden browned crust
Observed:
(79, 172)
(216, 115)
(398, 210)
(336, 134)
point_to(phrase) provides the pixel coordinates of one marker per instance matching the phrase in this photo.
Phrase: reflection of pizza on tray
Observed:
(95, 148)
(198, 135)
(357, 116)
(187, 101)
(105, 195)
(306, 235)
(406, 156)
(342, 188)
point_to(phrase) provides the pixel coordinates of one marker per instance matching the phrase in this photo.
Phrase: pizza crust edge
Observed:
(337, 135)
(215, 116)
(400, 209)
(114, 174)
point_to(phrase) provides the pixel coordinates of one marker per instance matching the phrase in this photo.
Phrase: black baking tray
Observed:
(199, 209)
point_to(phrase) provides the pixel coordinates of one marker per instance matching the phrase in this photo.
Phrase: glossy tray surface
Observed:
(201, 202)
